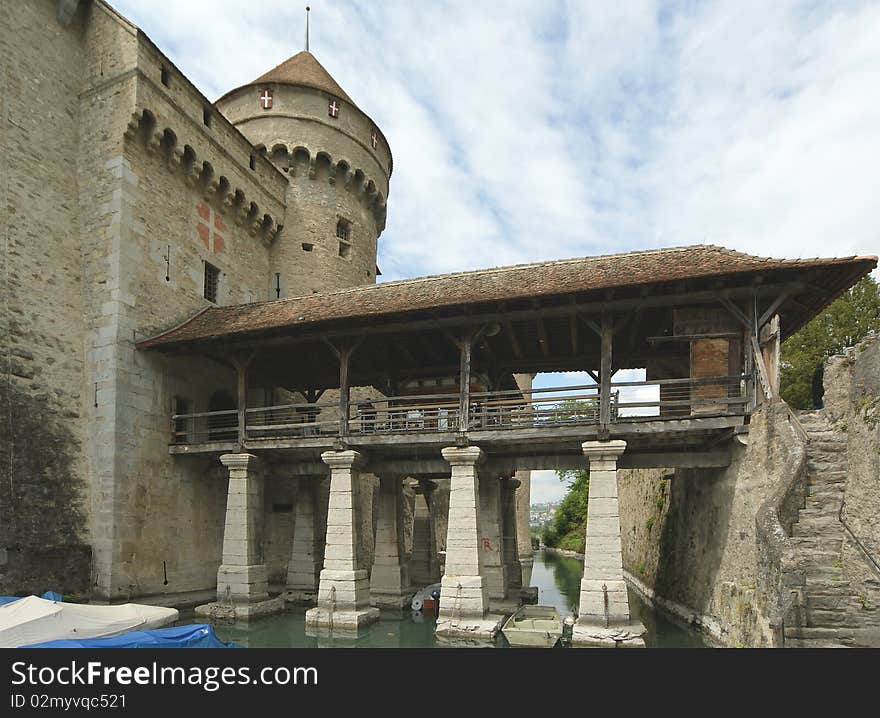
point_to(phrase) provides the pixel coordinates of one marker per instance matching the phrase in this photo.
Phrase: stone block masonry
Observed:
(464, 595)
(603, 614)
(344, 588)
(242, 582)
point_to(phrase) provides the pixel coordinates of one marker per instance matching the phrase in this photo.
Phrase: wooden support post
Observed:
(464, 397)
(605, 371)
(242, 368)
(241, 365)
(344, 389)
(464, 402)
(343, 351)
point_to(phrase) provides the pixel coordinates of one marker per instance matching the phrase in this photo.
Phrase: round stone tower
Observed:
(339, 165)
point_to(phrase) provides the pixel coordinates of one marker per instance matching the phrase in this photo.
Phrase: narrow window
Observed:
(182, 408)
(212, 281)
(253, 162)
(206, 116)
(166, 77)
(343, 233)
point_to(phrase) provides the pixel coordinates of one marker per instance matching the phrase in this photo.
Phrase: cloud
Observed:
(524, 133)
(546, 486)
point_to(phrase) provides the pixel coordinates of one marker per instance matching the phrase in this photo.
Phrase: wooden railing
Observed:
(487, 411)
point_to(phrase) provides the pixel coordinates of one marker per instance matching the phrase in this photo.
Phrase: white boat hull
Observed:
(33, 620)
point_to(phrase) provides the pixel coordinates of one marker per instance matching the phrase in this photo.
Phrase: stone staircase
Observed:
(832, 610)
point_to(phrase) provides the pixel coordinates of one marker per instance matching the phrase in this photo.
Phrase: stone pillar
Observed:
(508, 537)
(464, 598)
(242, 582)
(344, 589)
(603, 615)
(425, 566)
(304, 566)
(492, 564)
(523, 513)
(389, 580)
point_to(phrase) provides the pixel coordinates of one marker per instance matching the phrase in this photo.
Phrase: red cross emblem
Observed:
(266, 99)
(333, 109)
(374, 138)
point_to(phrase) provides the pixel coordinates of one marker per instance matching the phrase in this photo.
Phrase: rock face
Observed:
(782, 547)
(852, 413)
(690, 538)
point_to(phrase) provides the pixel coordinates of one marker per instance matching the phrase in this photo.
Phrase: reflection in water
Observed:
(558, 581)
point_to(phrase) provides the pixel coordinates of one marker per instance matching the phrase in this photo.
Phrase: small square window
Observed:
(166, 76)
(307, 246)
(343, 230)
(206, 116)
(212, 282)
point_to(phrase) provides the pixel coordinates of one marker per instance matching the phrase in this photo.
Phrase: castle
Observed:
(130, 200)
(207, 397)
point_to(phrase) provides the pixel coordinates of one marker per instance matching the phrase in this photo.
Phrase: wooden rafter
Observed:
(513, 339)
(542, 338)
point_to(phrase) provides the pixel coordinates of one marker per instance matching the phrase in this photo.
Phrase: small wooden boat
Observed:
(533, 627)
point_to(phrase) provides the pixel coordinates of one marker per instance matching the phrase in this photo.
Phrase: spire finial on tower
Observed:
(307, 27)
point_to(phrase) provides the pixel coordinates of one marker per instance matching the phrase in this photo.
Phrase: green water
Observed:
(558, 581)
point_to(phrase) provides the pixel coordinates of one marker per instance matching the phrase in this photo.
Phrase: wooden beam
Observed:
(344, 389)
(542, 338)
(242, 404)
(771, 310)
(735, 311)
(573, 330)
(606, 335)
(590, 323)
(241, 364)
(464, 396)
(513, 339)
(634, 330)
(762, 367)
(702, 297)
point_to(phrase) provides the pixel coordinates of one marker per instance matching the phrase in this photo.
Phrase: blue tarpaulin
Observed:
(49, 596)
(199, 635)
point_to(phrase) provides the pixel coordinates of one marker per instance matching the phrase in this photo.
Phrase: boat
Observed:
(198, 635)
(533, 627)
(426, 598)
(33, 619)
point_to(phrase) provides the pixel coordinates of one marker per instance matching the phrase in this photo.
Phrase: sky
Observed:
(527, 131)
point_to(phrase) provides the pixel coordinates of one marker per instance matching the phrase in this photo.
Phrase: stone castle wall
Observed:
(689, 535)
(44, 386)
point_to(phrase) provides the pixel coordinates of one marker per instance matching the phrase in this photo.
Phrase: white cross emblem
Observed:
(374, 138)
(266, 99)
(333, 108)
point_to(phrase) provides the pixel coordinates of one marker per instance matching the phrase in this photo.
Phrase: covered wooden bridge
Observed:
(437, 365)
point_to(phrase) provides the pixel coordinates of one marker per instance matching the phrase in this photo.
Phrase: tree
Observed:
(569, 525)
(844, 323)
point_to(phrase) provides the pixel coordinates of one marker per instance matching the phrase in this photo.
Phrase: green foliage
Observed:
(849, 318)
(649, 523)
(568, 530)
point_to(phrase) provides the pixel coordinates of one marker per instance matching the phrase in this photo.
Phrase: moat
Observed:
(558, 581)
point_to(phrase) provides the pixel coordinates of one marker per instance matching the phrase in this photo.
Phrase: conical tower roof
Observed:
(304, 69)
